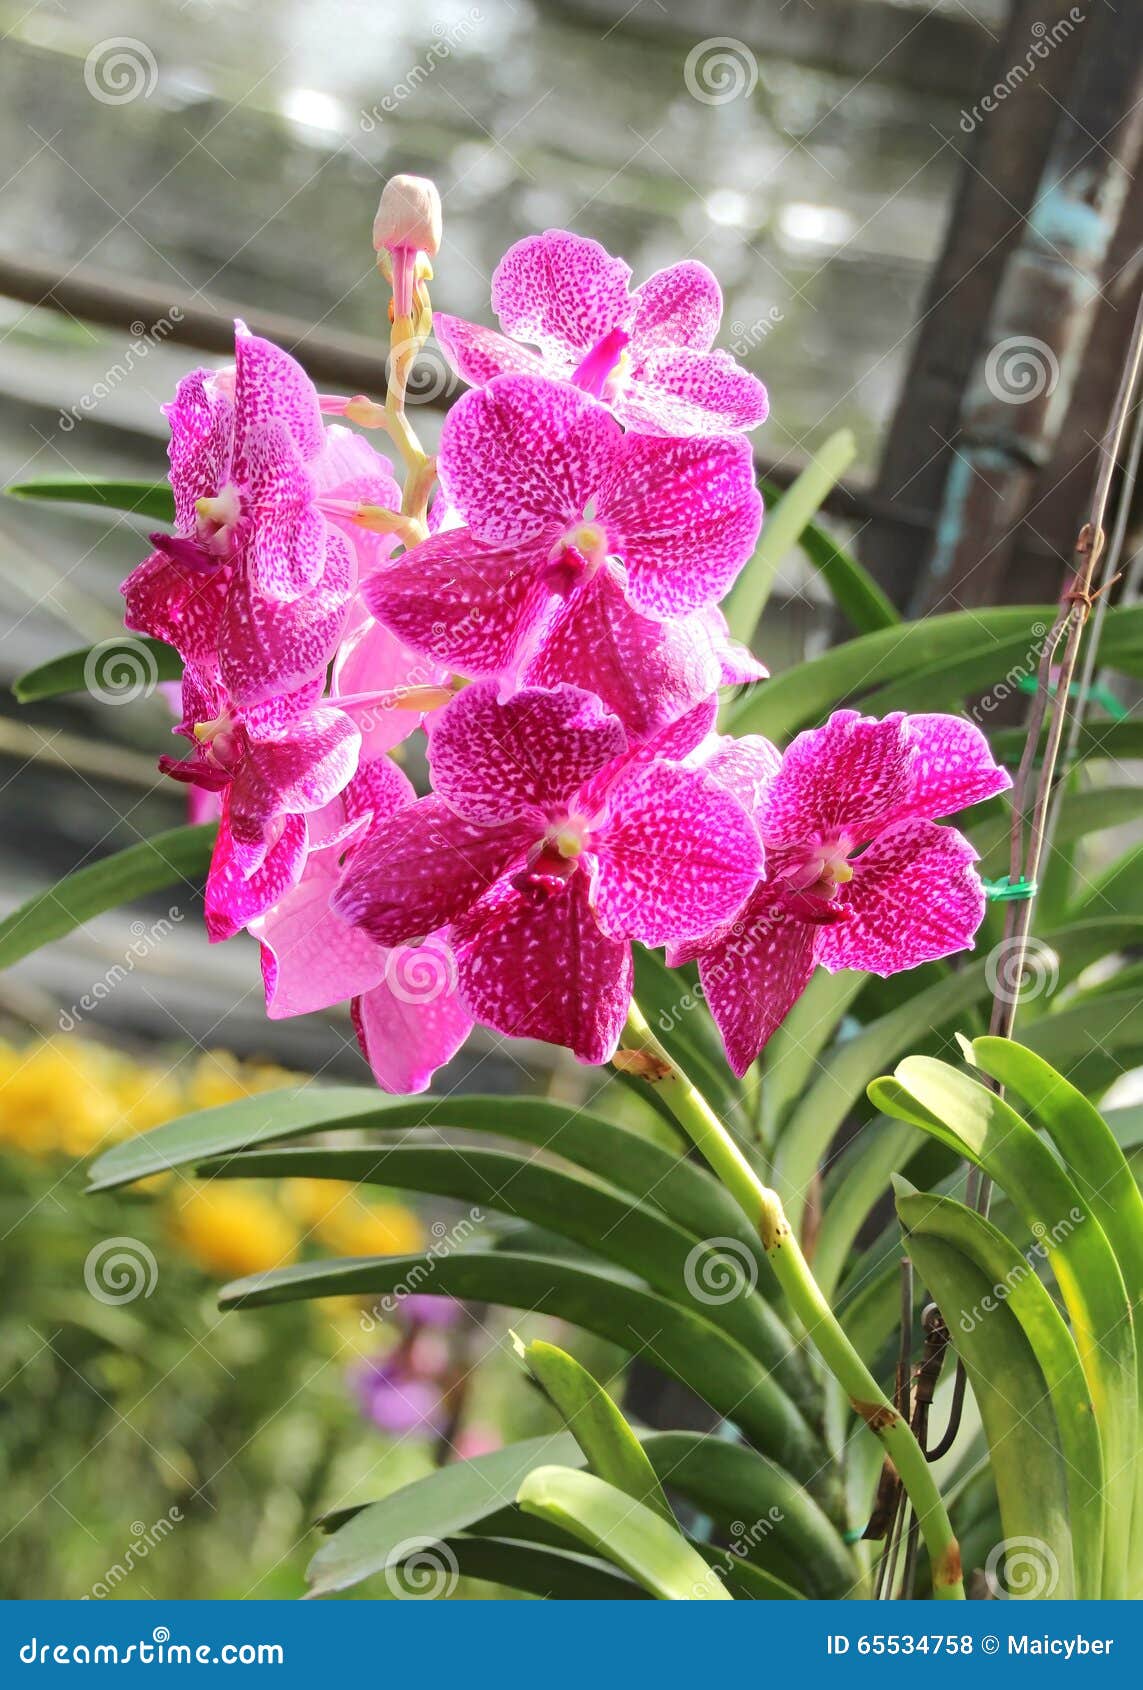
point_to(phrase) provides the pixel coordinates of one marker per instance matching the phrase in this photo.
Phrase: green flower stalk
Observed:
(763, 1208)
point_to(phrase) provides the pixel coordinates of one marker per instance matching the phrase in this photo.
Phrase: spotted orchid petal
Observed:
(236, 894)
(754, 972)
(524, 455)
(539, 966)
(684, 515)
(463, 603)
(562, 293)
(676, 854)
(915, 897)
(422, 868)
(493, 762)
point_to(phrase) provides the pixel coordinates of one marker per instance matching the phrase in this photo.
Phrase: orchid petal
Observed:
(915, 896)
(542, 968)
(562, 293)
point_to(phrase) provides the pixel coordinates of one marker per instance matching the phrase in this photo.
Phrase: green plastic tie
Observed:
(1007, 891)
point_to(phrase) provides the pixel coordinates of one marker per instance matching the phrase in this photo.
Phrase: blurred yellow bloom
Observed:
(231, 1231)
(336, 1211)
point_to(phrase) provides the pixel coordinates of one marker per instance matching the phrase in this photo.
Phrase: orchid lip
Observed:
(596, 373)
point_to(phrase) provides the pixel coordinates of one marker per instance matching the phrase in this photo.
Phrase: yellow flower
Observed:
(231, 1231)
(374, 1229)
(341, 1217)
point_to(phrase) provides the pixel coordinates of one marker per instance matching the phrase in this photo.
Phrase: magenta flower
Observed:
(589, 556)
(647, 354)
(273, 765)
(858, 873)
(406, 1010)
(546, 848)
(256, 583)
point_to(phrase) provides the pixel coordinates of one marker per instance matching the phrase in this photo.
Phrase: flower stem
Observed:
(763, 1208)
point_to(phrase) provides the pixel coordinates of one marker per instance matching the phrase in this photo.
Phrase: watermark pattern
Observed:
(719, 70)
(1015, 679)
(145, 1538)
(1020, 369)
(144, 942)
(420, 973)
(747, 336)
(1015, 971)
(120, 670)
(743, 1539)
(1045, 1240)
(446, 1239)
(119, 70)
(1023, 1567)
(448, 37)
(717, 1270)
(118, 1270)
(431, 376)
(1044, 41)
(421, 1569)
(144, 338)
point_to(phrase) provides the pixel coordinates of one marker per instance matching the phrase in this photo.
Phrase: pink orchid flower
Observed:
(406, 1009)
(590, 556)
(257, 581)
(547, 847)
(858, 873)
(272, 765)
(647, 354)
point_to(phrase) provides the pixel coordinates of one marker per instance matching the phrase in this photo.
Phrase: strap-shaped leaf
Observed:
(73, 671)
(533, 1568)
(768, 1519)
(1085, 1141)
(809, 691)
(942, 683)
(785, 521)
(1080, 1255)
(610, 1447)
(843, 1076)
(619, 1228)
(180, 856)
(1027, 1462)
(680, 1341)
(683, 1191)
(152, 499)
(428, 1510)
(1015, 1285)
(852, 588)
(614, 1525)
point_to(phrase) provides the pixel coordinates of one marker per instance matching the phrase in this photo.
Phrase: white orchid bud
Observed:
(409, 216)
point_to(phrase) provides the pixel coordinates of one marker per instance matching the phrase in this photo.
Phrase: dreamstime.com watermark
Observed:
(743, 1539)
(120, 69)
(1045, 40)
(747, 336)
(717, 1270)
(446, 1239)
(1022, 1567)
(144, 338)
(448, 38)
(1045, 1240)
(719, 70)
(144, 943)
(144, 1539)
(1015, 680)
(118, 1270)
(1021, 368)
(156, 1650)
(1017, 972)
(421, 1569)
